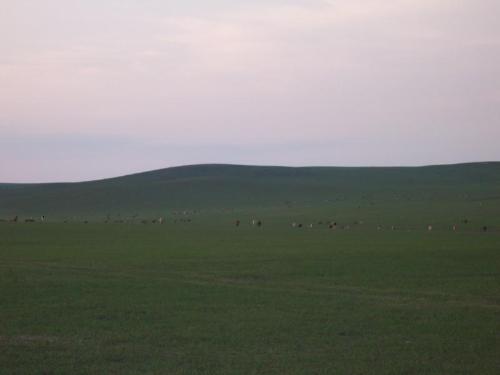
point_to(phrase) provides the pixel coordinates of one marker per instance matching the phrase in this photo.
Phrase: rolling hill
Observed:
(214, 186)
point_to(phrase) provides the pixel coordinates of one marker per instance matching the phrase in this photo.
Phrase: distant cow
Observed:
(237, 223)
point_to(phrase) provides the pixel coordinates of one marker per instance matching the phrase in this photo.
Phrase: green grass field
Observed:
(217, 188)
(207, 297)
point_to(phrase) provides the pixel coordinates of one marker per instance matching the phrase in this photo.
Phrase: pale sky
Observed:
(99, 88)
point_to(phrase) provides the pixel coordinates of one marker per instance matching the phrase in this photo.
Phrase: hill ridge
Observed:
(232, 185)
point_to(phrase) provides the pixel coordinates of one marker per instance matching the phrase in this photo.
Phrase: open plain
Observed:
(378, 293)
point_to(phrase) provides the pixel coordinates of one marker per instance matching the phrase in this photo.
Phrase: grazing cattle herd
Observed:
(332, 225)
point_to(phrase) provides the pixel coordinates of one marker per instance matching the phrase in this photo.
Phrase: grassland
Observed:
(207, 297)
(227, 187)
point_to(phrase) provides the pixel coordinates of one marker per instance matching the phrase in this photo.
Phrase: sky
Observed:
(92, 89)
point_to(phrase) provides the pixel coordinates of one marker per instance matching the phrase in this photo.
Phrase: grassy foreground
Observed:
(216, 299)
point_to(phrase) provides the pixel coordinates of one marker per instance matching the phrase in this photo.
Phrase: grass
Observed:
(216, 187)
(210, 298)
(206, 297)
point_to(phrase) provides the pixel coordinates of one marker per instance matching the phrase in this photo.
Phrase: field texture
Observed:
(215, 299)
(93, 290)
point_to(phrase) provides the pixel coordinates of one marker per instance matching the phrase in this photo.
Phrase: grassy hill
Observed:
(229, 187)
(206, 297)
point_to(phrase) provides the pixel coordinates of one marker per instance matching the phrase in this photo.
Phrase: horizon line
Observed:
(250, 166)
